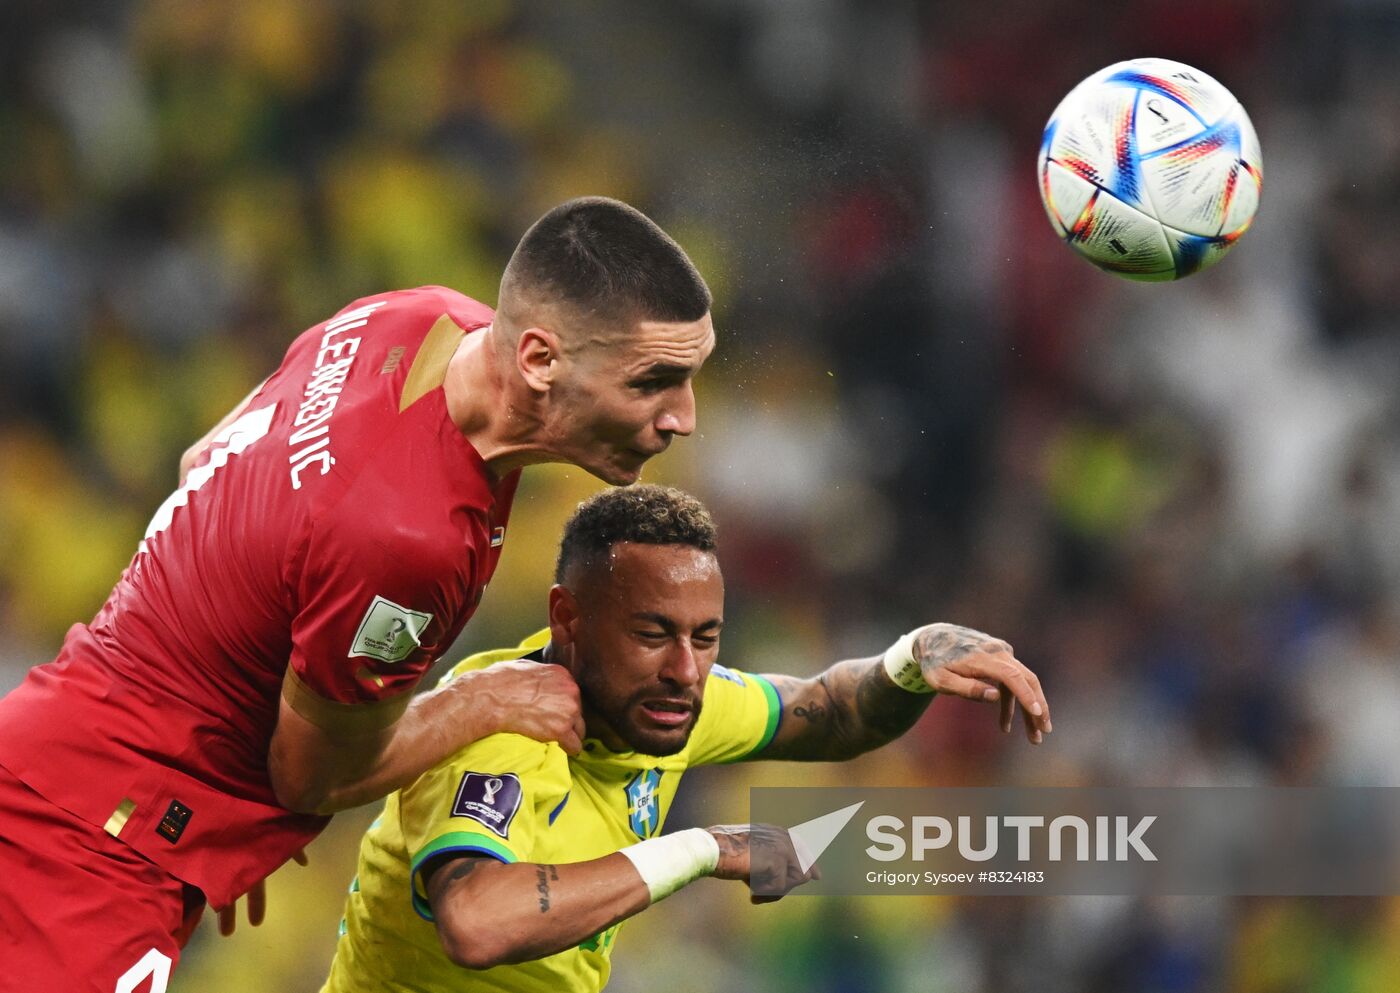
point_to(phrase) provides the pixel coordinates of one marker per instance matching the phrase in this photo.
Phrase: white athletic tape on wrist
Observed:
(673, 860)
(903, 668)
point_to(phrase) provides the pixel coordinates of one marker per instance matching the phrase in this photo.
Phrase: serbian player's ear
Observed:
(564, 618)
(537, 356)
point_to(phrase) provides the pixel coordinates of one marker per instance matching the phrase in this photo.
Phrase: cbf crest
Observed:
(643, 807)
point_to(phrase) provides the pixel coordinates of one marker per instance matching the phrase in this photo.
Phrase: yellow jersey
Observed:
(519, 800)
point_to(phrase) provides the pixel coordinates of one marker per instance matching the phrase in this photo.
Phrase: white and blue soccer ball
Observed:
(1150, 169)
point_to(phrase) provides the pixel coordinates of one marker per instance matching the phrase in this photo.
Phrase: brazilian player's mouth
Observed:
(668, 712)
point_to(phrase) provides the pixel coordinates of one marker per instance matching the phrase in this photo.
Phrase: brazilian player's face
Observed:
(624, 400)
(646, 636)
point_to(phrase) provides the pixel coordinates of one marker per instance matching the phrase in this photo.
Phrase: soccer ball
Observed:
(1150, 169)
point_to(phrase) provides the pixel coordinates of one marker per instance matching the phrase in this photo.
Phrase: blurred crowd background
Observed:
(1178, 502)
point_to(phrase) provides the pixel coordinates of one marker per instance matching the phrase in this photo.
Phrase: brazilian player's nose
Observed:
(681, 667)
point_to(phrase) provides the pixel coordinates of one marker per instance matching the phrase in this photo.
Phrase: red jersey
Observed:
(329, 545)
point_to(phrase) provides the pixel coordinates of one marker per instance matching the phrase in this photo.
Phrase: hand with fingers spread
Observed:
(257, 903)
(959, 661)
(536, 699)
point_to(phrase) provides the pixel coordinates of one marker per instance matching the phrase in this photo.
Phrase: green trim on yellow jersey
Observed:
(775, 715)
(463, 842)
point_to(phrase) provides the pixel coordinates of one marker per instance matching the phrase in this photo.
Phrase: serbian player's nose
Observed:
(678, 414)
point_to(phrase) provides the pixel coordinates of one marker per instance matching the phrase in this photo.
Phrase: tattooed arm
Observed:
(854, 706)
(489, 913)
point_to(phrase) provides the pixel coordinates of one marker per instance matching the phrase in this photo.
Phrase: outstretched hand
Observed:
(257, 903)
(959, 661)
(762, 855)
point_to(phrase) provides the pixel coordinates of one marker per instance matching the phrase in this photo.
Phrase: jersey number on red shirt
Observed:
(232, 440)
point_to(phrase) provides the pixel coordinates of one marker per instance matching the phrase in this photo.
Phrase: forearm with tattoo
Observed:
(489, 913)
(849, 709)
(855, 706)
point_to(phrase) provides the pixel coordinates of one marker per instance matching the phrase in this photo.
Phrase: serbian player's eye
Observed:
(659, 381)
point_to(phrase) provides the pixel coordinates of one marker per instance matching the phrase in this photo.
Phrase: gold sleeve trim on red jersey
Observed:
(331, 715)
(429, 367)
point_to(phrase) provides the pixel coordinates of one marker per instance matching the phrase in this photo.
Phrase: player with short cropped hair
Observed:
(253, 669)
(519, 861)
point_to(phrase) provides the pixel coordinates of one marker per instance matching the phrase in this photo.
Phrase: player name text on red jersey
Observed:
(322, 392)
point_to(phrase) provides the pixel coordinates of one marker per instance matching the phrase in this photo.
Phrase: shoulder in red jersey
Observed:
(400, 546)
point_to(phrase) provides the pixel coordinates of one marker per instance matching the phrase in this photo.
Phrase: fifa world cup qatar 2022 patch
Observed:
(490, 799)
(389, 632)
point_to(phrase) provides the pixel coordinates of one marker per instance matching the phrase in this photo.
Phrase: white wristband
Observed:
(903, 669)
(673, 860)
